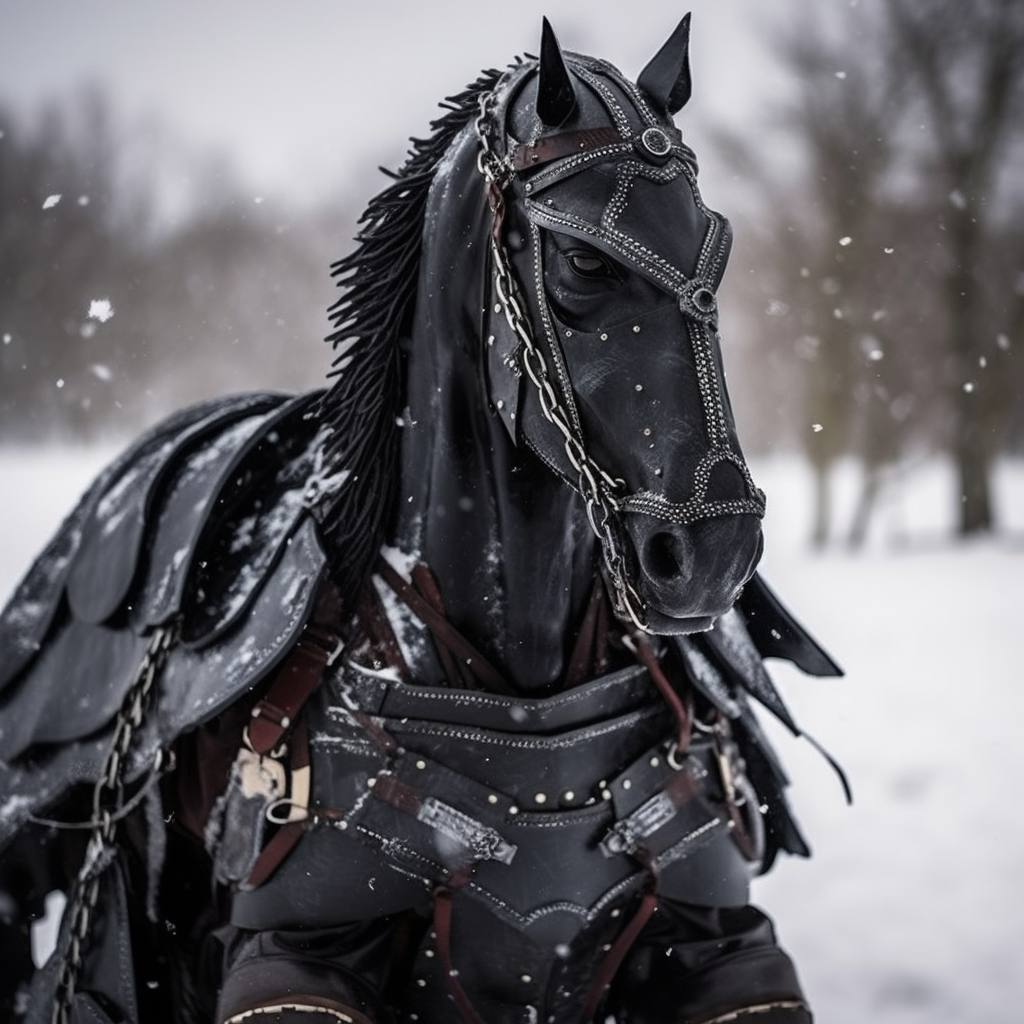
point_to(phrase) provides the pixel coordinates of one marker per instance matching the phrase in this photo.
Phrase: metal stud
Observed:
(568, 796)
(421, 765)
(540, 798)
(604, 337)
(647, 431)
(492, 799)
(636, 328)
(638, 387)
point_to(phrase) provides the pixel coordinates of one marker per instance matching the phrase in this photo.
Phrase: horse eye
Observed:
(590, 265)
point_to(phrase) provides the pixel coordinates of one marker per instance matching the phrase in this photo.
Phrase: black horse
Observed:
(425, 697)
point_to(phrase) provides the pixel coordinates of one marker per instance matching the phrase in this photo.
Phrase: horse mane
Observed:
(359, 413)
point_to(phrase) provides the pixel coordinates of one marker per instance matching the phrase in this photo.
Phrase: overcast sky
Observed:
(305, 96)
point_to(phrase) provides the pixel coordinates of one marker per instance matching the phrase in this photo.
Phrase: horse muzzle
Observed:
(689, 574)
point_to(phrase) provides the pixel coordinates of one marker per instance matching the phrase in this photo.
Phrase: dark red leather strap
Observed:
(295, 681)
(444, 632)
(620, 947)
(554, 147)
(684, 717)
(443, 930)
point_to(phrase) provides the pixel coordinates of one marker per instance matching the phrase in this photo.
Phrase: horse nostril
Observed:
(668, 555)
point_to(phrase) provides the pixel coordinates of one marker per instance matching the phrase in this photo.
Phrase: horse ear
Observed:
(556, 97)
(667, 78)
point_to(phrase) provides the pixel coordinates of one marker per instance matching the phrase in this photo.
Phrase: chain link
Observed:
(106, 798)
(598, 489)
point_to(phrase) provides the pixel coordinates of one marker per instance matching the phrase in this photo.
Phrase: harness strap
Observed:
(682, 712)
(444, 632)
(426, 583)
(443, 931)
(298, 677)
(589, 658)
(554, 147)
(378, 629)
(277, 716)
(622, 945)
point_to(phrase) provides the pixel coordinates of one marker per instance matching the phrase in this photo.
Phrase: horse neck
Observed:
(507, 541)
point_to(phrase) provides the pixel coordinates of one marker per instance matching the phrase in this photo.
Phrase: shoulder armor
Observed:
(777, 634)
(190, 526)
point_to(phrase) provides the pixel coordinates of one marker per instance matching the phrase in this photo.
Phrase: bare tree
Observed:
(965, 63)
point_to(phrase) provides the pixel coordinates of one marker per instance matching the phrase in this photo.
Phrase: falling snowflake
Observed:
(100, 309)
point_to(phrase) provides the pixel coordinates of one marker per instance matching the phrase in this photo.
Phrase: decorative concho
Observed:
(698, 300)
(654, 145)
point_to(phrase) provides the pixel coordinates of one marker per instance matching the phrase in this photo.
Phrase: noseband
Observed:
(604, 495)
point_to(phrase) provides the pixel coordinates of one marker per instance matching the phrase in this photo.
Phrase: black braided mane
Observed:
(360, 410)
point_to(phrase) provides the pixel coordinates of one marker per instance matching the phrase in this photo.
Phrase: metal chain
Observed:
(106, 798)
(598, 489)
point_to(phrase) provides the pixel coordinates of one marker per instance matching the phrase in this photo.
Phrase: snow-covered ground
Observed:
(910, 911)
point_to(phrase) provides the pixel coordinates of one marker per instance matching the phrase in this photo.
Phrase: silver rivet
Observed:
(497, 307)
(501, 403)
(626, 784)
(655, 761)
(647, 431)
(421, 765)
(421, 983)
(568, 334)
(636, 328)
(513, 809)
(371, 783)
(616, 912)
(568, 795)
(429, 953)
(606, 794)
(492, 799)
(606, 947)
(604, 337)
(540, 798)
(525, 979)
(638, 387)
(657, 472)
(529, 187)
(490, 340)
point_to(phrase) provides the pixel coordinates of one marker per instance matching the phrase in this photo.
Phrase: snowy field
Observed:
(910, 911)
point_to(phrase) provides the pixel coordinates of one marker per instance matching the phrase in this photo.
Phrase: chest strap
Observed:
(446, 636)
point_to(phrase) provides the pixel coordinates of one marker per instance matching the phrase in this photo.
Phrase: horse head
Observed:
(536, 295)
(603, 353)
